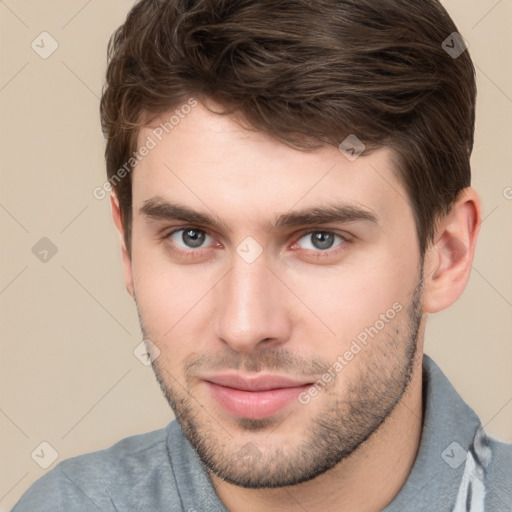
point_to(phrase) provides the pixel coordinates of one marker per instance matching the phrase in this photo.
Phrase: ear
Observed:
(127, 262)
(448, 261)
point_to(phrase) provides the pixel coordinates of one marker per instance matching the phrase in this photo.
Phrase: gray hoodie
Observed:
(459, 468)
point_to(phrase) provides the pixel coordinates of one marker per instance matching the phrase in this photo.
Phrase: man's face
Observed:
(267, 292)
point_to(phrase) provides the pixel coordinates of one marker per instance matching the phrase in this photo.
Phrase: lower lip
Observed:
(254, 405)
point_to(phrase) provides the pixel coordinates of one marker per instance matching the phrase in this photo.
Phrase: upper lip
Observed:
(255, 383)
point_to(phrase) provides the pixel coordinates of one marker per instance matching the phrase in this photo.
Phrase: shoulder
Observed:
(499, 475)
(106, 480)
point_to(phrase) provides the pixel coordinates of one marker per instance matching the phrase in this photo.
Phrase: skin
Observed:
(292, 311)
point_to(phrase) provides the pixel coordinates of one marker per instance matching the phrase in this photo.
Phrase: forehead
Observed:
(209, 161)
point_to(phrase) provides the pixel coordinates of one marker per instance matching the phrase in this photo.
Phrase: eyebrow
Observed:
(160, 209)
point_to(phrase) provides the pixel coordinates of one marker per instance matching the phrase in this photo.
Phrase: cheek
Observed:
(164, 292)
(343, 301)
(169, 305)
(174, 305)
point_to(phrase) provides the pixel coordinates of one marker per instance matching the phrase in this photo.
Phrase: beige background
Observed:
(67, 372)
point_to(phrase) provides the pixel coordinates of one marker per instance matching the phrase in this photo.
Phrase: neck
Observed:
(367, 481)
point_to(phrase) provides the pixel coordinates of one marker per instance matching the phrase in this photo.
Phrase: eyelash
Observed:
(315, 253)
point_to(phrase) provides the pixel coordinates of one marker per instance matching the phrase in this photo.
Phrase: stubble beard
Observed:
(343, 424)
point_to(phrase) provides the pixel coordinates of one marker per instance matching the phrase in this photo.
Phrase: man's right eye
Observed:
(189, 238)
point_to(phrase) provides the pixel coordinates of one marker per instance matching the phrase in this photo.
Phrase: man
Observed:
(291, 185)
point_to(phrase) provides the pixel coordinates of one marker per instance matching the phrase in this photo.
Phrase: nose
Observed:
(252, 310)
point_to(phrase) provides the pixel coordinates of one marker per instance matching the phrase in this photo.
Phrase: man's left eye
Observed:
(320, 240)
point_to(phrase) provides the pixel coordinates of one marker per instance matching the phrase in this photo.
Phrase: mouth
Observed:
(254, 398)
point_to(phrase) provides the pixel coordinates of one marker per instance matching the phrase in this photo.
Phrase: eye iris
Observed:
(322, 240)
(193, 237)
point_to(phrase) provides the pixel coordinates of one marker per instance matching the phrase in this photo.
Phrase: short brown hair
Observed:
(308, 73)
